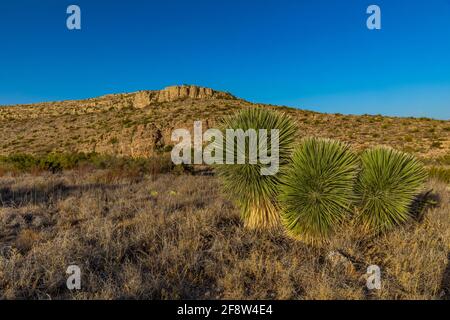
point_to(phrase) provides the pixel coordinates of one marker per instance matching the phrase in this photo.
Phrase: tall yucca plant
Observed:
(256, 193)
(388, 182)
(317, 191)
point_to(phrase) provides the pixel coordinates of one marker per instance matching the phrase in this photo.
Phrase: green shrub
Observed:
(317, 191)
(56, 162)
(256, 193)
(19, 161)
(386, 187)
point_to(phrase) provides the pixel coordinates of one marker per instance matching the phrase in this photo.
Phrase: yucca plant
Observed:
(387, 185)
(317, 191)
(256, 193)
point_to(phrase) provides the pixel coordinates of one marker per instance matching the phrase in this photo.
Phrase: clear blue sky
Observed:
(315, 54)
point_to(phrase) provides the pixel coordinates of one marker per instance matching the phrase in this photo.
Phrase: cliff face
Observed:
(145, 98)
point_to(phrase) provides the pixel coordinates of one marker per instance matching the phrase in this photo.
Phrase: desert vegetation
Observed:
(256, 193)
(158, 237)
(322, 184)
(141, 228)
(138, 128)
(387, 186)
(317, 192)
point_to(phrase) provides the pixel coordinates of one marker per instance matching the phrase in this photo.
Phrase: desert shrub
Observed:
(56, 162)
(121, 167)
(7, 169)
(19, 161)
(440, 173)
(61, 161)
(387, 185)
(160, 164)
(444, 160)
(317, 191)
(436, 145)
(409, 149)
(51, 162)
(255, 193)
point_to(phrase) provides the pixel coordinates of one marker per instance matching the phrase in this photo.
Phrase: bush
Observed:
(408, 139)
(56, 162)
(18, 161)
(436, 145)
(255, 193)
(444, 160)
(439, 173)
(317, 191)
(387, 185)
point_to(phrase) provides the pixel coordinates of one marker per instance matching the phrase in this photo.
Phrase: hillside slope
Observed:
(137, 124)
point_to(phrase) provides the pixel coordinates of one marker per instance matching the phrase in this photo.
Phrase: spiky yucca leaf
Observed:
(388, 182)
(256, 193)
(318, 188)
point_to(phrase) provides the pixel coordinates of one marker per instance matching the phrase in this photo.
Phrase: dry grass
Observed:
(176, 237)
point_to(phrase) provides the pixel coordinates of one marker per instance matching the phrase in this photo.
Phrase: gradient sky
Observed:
(315, 54)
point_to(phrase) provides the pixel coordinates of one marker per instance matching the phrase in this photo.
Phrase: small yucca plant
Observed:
(256, 193)
(387, 185)
(317, 191)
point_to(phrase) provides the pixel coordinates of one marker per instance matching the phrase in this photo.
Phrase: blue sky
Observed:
(316, 54)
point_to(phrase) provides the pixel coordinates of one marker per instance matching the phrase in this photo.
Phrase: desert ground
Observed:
(145, 229)
(174, 236)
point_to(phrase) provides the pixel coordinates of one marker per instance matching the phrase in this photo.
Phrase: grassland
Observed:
(141, 228)
(174, 236)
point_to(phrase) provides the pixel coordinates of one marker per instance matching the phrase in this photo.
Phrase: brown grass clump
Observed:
(26, 239)
(175, 236)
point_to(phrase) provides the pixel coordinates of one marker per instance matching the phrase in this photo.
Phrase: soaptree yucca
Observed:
(317, 191)
(253, 191)
(387, 185)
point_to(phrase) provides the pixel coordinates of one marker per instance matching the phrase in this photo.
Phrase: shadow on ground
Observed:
(423, 202)
(36, 195)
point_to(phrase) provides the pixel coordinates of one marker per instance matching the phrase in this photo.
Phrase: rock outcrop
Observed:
(141, 99)
(174, 93)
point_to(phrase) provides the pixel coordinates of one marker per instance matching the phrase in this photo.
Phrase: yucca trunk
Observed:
(262, 215)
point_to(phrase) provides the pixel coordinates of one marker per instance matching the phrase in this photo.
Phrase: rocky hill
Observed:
(143, 99)
(138, 124)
